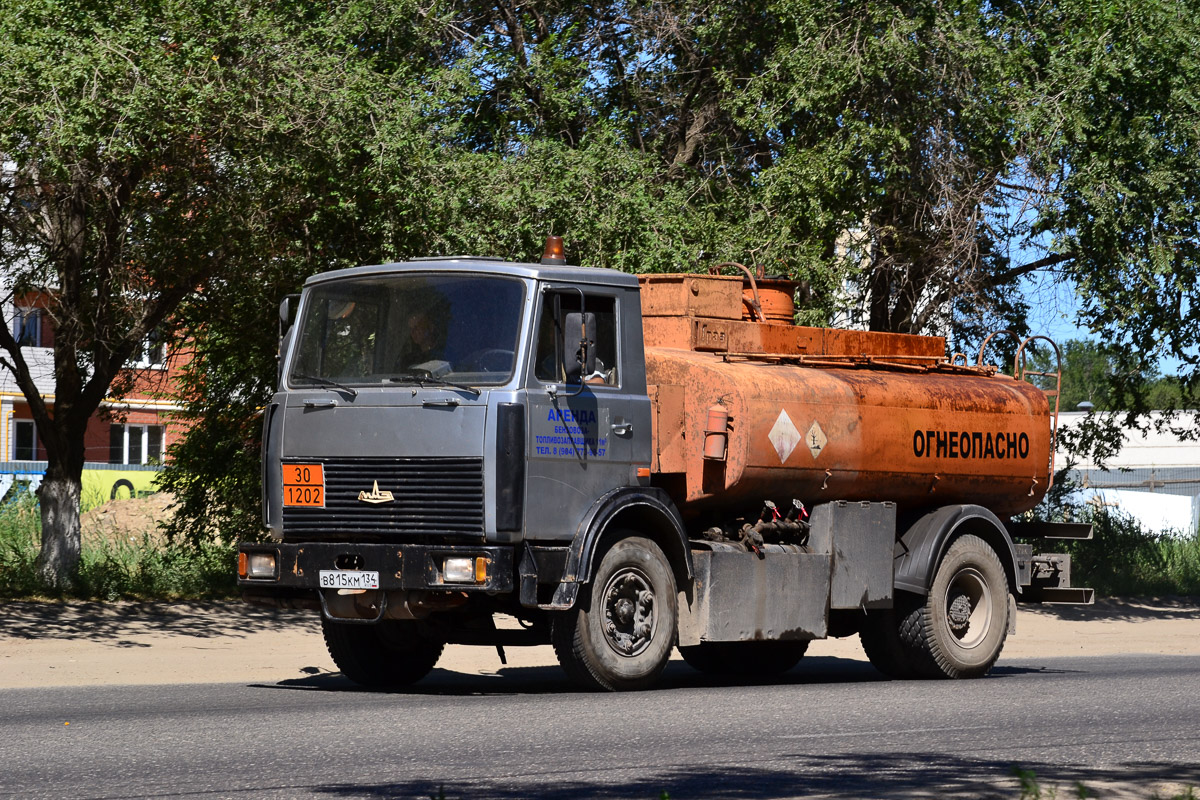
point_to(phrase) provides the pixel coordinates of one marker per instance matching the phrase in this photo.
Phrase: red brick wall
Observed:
(157, 385)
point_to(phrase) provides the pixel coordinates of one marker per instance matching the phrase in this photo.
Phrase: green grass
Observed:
(1123, 559)
(118, 569)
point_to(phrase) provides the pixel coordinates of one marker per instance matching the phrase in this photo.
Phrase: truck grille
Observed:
(430, 496)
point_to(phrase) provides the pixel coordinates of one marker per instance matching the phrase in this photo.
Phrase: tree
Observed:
(1088, 372)
(1124, 145)
(1111, 379)
(150, 152)
(915, 161)
(1118, 385)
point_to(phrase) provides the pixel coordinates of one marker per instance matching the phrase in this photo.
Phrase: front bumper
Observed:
(400, 566)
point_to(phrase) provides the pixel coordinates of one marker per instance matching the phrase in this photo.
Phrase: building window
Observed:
(135, 444)
(24, 438)
(150, 353)
(27, 327)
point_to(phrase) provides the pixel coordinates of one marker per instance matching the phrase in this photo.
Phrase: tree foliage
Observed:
(149, 152)
(909, 162)
(1110, 378)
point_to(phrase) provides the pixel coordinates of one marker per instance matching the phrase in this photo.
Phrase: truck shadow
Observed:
(813, 671)
(119, 620)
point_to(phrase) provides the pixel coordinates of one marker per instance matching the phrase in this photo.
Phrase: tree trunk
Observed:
(61, 535)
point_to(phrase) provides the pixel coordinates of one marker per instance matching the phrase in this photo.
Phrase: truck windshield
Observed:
(414, 327)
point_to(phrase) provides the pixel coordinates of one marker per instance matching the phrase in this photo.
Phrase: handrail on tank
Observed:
(755, 306)
(1024, 374)
(992, 335)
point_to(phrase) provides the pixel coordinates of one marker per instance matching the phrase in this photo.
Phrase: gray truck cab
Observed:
(436, 415)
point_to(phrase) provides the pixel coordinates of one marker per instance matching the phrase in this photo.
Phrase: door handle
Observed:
(331, 403)
(622, 427)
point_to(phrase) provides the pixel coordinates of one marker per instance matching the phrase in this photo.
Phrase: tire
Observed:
(621, 634)
(880, 638)
(386, 653)
(959, 631)
(745, 659)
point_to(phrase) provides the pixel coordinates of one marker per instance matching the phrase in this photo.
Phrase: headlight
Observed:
(458, 570)
(260, 565)
(465, 570)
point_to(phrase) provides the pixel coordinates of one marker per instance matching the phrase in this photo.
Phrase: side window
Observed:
(27, 326)
(553, 349)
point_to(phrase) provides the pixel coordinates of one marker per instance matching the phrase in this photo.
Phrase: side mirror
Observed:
(285, 309)
(579, 335)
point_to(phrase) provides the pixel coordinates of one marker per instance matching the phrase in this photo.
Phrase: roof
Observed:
(491, 266)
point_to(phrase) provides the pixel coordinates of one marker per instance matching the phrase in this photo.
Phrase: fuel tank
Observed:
(748, 411)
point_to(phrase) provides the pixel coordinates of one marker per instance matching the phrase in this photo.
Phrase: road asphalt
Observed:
(95, 644)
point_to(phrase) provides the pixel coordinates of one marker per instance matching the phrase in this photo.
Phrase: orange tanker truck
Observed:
(628, 466)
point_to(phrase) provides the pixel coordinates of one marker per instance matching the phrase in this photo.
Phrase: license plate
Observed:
(304, 485)
(349, 579)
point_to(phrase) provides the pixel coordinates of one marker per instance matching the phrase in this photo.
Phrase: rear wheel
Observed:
(386, 653)
(880, 637)
(620, 635)
(745, 659)
(959, 631)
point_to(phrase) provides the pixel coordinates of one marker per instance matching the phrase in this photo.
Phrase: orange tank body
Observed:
(820, 414)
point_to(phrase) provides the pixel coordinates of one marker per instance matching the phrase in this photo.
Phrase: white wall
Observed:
(39, 359)
(1171, 463)
(1144, 451)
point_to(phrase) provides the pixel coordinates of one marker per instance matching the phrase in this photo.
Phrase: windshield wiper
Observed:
(327, 382)
(423, 378)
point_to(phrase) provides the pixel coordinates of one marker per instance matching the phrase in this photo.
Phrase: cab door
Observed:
(582, 432)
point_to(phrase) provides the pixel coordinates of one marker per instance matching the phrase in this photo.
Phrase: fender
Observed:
(660, 520)
(920, 549)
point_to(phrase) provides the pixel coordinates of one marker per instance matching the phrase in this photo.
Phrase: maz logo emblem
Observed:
(375, 496)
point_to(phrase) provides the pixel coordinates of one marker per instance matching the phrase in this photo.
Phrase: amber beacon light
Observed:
(553, 255)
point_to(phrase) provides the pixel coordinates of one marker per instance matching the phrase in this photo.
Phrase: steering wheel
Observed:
(491, 359)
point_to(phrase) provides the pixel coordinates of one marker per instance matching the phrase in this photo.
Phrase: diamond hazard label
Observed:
(784, 436)
(815, 439)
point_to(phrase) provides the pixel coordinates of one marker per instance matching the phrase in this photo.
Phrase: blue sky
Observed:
(1054, 309)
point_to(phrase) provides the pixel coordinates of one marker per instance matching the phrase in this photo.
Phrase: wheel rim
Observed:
(629, 618)
(968, 607)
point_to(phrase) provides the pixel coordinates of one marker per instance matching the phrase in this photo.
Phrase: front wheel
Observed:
(959, 631)
(620, 636)
(386, 653)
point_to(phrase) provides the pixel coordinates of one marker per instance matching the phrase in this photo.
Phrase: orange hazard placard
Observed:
(304, 485)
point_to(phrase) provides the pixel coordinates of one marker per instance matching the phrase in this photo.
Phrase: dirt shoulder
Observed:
(92, 644)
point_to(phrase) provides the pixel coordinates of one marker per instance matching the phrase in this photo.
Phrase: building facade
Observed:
(127, 438)
(1155, 478)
